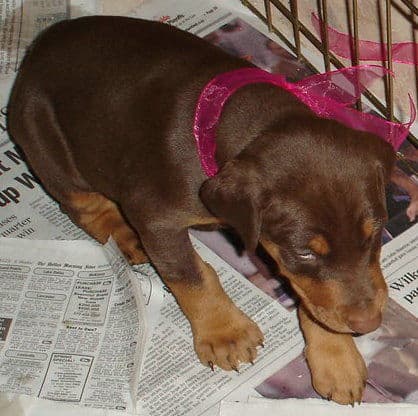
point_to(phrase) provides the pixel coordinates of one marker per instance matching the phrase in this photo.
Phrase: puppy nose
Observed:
(362, 323)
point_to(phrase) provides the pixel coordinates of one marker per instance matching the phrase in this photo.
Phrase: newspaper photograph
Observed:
(79, 326)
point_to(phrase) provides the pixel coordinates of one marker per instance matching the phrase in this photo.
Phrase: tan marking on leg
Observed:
(223, 335)
(338, 371)
(319, 245)
(100, 218)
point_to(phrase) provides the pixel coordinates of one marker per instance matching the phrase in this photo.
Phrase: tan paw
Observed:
(227, 339)
(338, 371)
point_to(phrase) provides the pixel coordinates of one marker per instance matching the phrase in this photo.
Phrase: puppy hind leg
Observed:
(101, 218)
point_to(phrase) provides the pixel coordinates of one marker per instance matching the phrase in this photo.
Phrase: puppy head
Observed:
(314, 196)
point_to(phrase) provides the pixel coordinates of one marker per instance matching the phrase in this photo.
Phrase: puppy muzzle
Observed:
(363, 323)
(367, 317)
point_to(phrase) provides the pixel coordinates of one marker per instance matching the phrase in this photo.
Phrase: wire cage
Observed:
(301, 38)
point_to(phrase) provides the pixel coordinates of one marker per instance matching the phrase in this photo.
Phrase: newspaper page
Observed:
(72, 324)
(313, 407)
(400, 266)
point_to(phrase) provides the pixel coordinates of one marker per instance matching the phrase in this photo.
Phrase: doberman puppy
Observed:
(103, 109)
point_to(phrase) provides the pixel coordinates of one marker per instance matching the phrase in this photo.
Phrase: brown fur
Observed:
(103, 109)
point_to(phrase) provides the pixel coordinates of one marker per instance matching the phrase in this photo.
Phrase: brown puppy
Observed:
(103, 108)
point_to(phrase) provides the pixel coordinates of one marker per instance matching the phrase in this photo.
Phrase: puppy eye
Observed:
(307, 255)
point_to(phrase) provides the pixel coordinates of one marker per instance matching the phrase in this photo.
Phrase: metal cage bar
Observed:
(389, 65)
(291, 14)
(356, 53)
(324, 35)
(411, 6)
(296, 28)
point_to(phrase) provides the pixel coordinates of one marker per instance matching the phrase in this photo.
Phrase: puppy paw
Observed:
(338, 370)
(226, 339)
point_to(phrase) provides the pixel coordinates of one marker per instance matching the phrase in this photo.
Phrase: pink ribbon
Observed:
(328, 95)
(342, 44)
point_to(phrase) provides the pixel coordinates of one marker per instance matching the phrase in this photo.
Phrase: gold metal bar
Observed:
(389, 65)
(356, 56)
(324, 26)
(356, 38)
(283, 10)
(267, 7)
(411, 6)
(296, 26)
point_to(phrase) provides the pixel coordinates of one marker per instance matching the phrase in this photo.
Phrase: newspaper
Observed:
(72, 322)
(171, 381)
(314, 407)
(73, 326)
(400, 267)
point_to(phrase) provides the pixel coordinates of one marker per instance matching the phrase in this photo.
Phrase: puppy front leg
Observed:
(223, 335)
(338, 370)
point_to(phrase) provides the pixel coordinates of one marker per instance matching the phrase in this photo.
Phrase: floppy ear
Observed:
(381, 170)
(386, 159)
(235, 195)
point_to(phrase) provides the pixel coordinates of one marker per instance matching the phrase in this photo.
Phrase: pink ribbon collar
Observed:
(328, 95)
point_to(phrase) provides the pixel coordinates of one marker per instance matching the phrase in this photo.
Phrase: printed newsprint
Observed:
(72, 329)
(72, 324)
(313, 407)
(80, 330)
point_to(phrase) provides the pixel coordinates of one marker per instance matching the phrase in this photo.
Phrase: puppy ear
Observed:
(380, 185)
(383, 167)
(235, 196)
